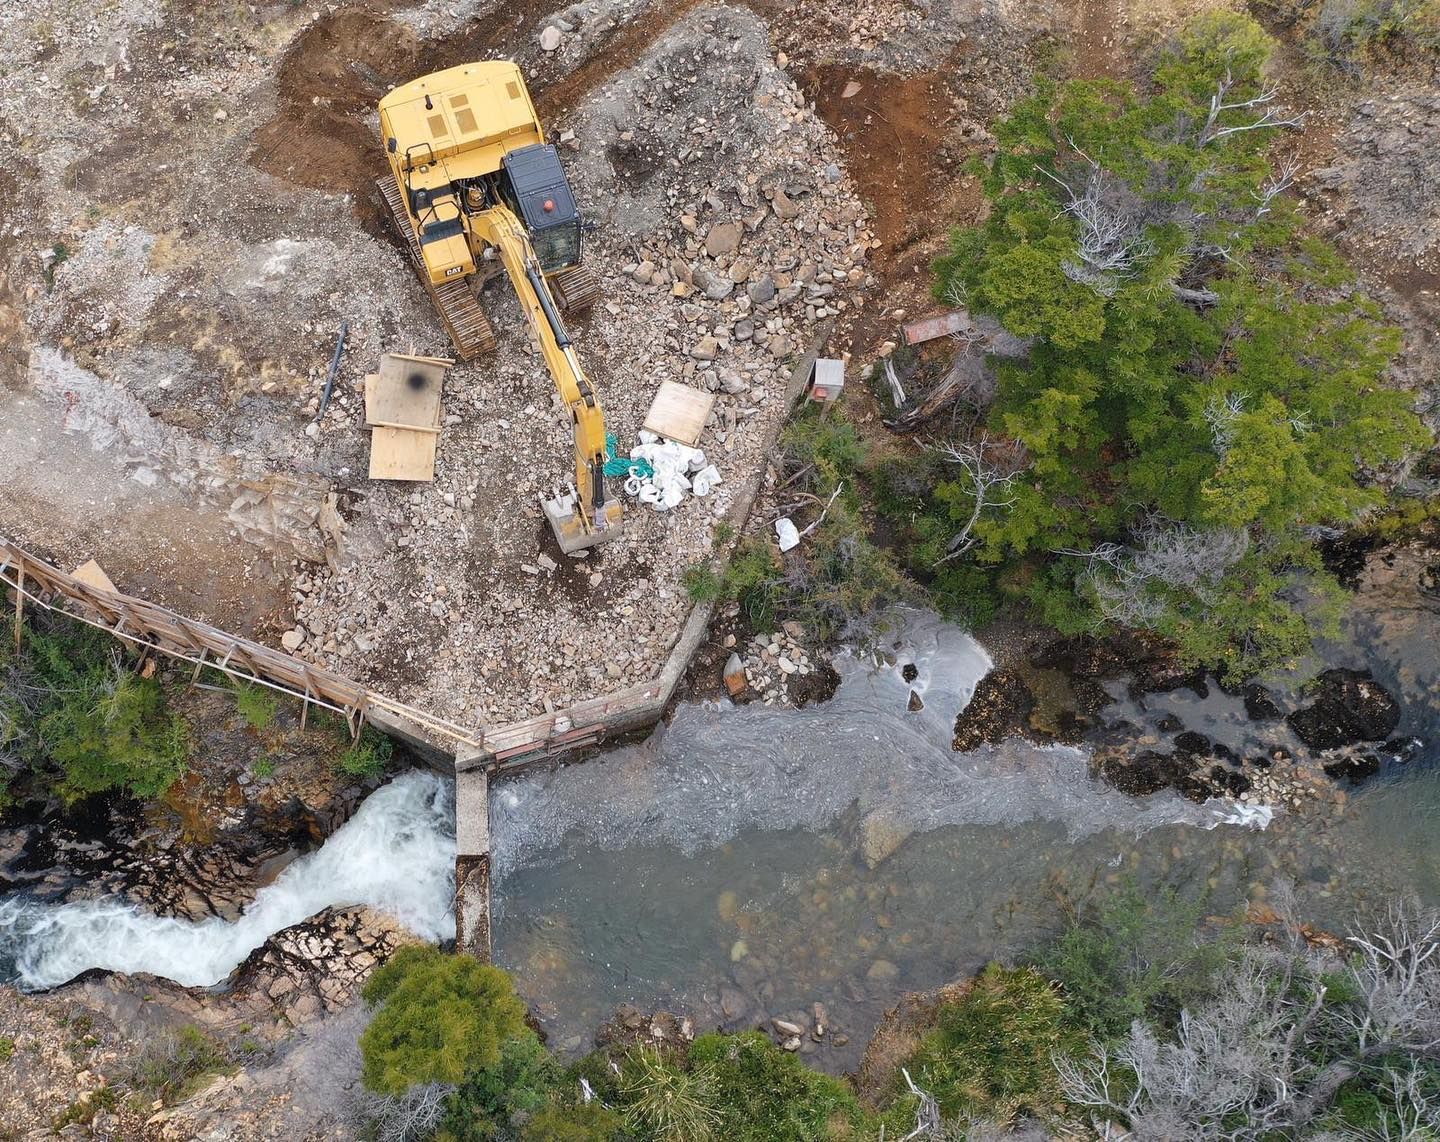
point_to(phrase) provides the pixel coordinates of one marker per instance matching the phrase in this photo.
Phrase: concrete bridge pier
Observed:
(472, 860)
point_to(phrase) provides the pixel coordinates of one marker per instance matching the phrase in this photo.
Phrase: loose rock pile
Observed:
(774, 660)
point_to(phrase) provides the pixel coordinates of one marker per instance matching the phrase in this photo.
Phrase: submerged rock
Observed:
(1350, 707)
(1260, 706)
(880, 835)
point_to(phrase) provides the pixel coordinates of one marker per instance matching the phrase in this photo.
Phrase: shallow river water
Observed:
(745, 863)
(720, 869)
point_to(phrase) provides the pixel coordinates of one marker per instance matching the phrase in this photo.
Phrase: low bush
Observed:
(703, 583)
(992, 1052)
(172, 1066)
(368, 758)
(578, 1122)
(1344, 32)
(500, 1098)
(667, 1102)
(1136, 957)
(257, 705)
(74, 713)
(764, 1093)
(439, 1019)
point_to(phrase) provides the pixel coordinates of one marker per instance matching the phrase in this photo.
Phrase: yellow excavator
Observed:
(475, 192)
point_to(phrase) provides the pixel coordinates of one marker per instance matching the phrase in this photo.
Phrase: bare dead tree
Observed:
(1125, 580)
(1231, 1074)
(927, 1112)
(407, 1117)
(1110, 220)
(1271, 117)
(1221, 413)
(991, 470)
(1278, 184)
(1267, 1055)
(897, 393)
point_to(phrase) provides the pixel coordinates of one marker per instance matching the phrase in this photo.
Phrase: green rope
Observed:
(616, 465)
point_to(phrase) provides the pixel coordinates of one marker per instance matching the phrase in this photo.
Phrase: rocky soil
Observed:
(284, 1025)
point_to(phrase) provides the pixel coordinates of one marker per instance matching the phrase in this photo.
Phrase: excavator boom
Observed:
(584, 514)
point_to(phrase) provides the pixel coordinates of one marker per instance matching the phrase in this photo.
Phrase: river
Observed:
(720, 868)
(750, 862)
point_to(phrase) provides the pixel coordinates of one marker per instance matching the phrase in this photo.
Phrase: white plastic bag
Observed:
(787, 533)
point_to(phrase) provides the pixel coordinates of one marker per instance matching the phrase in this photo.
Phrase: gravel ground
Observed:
(189, 218)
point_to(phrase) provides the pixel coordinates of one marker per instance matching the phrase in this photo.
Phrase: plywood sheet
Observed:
(679, 412)
(402, 454)
(92, 575)
(406, 391)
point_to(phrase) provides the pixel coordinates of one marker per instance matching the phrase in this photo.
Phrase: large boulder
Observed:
(1349, 707)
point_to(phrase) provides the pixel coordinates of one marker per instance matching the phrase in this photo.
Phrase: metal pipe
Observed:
(547, 306)
(334, 365)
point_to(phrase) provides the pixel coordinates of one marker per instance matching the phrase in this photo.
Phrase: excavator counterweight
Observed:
(476, 192)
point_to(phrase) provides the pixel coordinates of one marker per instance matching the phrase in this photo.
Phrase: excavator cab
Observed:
(542, 199)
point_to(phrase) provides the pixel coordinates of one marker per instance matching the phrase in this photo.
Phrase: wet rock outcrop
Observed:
(1349, 707)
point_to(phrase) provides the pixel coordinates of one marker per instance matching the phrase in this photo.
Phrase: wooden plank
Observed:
(403, 427)
(446, 362)
(402, 454)
(92, 575)
(679, 412)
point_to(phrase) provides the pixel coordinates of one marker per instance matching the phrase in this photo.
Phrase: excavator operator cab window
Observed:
(542, 198)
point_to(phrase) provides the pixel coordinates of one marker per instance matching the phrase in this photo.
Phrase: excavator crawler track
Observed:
(577, 288)
(470, 330)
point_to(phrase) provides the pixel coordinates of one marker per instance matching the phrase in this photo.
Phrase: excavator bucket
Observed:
(573, 532)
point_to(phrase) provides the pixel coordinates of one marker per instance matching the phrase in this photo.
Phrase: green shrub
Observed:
(1184, 422)
(7, 1048)
(494, 1099)
(703, 583)
(439, 1019)
(172, 1066)
(753, 578)
(665, 1102)
(78, 715)
(257, 705)
(765, 1094)
(264, 767)
(838, 579)
(579, 1122)
(992, 1053)
(368, 758)
(1343, 32)
(1136, 957)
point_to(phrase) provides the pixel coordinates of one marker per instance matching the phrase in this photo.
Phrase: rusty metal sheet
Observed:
(941, 325)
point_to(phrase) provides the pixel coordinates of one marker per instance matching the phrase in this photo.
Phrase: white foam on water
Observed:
(396, 854)
(718, 769)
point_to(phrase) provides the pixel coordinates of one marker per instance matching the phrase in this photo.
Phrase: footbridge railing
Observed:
(151, 627)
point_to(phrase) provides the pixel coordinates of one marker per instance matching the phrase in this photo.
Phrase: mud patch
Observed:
(905, 142)
(329, 83)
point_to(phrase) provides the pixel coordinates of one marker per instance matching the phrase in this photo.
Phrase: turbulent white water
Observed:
(397, 854)
(718, 770)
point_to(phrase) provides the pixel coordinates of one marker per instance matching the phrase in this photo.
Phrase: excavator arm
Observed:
(584, 514)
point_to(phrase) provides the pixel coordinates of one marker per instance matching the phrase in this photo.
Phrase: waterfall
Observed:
(396, 854)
